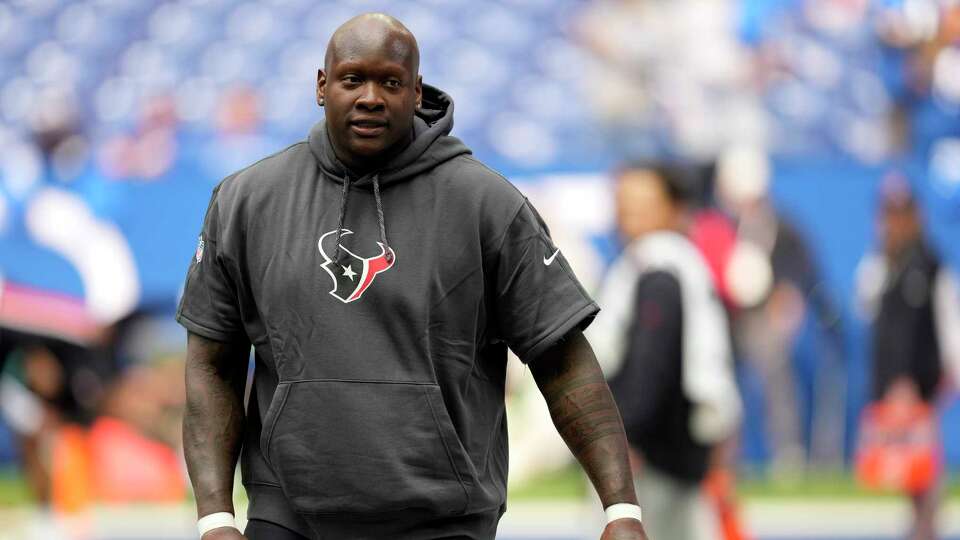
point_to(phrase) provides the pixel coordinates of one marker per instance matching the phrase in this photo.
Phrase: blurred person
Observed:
(390, 344)
(74, 411)
(911, 301)
(59, 136)
(926, 32)
(773, 282)
(239, 134)
(923, 44)
(134, 444)
(150, 151)
(665, 339)
(46, 384)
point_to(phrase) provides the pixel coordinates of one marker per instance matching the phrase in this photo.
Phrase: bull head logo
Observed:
(352, 279)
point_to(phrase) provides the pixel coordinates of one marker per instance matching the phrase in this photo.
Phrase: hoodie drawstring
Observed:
(343, 211)
(380, 221)
(383, 227)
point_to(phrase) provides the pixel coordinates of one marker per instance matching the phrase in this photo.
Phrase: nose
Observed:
(370, 98)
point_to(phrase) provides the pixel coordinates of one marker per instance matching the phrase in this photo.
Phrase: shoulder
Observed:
(237, 199)
(263, 176)
(474, 179)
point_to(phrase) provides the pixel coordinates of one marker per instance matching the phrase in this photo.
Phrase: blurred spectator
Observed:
(664, 339)
(908, 296)
(150, 151)
(45, 383)
(58, 135)
(90, 425)
(239, 132)
(773, 282)
(912, 303)
(924, 35)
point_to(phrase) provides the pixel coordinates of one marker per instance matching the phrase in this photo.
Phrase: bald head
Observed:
(373, 33)
(370, 89)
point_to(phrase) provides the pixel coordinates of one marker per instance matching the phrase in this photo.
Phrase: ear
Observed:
(321, 86)
(419, 90)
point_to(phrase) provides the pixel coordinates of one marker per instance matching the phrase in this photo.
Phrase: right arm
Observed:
(213, 423)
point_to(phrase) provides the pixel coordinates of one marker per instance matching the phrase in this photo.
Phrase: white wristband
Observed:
(623, 510)
(215, 521)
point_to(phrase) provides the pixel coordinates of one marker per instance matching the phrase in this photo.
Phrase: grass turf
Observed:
(569, 482)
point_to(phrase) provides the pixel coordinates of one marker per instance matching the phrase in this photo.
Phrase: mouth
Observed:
(368, 127)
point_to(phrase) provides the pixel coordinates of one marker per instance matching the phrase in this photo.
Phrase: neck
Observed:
(680, 223)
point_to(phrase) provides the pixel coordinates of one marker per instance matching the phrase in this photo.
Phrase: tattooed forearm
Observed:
(586, 416)
(213, 421)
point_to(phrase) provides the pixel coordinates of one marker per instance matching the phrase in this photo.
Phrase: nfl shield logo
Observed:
(199, 254)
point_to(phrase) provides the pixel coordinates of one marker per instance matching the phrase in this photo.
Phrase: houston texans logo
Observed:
(352, 279)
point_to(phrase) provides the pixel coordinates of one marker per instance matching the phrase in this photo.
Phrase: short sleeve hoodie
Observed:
(380, 309)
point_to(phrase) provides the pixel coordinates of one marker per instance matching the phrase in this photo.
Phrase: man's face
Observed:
(899, 226)
(643, 205)
(370, 95)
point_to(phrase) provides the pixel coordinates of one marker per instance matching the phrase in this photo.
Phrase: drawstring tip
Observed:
(389, 256)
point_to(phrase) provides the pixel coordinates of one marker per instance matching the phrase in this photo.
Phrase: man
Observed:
(770, 313)
(380, 273)
(664, 338)
(911, 300)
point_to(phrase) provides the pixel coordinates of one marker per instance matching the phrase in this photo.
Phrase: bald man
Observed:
(380, 273)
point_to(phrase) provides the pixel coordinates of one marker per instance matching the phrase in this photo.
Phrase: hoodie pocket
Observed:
(366, 448)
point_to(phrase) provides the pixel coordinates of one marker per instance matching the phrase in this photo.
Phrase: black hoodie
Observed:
(377, 408)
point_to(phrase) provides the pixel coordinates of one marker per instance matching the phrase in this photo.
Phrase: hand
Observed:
(624, 529)
(225, 533)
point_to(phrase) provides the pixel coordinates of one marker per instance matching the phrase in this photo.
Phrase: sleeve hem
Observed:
(580, 319)
(207, 332)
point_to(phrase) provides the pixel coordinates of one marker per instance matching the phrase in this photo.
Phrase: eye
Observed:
(392, 84)
(351, 80)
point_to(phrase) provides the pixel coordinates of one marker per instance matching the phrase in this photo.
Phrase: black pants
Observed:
(264, 530)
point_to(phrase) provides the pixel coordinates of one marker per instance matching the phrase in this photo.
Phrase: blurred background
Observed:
(817, 138)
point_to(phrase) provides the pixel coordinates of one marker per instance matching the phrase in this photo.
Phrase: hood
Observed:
(432, 144)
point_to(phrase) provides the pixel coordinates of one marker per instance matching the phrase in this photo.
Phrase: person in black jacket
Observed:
(911, 301)
(904, 336)
(664, 340)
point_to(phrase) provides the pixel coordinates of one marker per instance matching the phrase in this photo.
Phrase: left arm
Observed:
(587, 418)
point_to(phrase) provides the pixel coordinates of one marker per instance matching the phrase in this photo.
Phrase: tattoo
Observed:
(586, 416)
(213, 420)
(562, 387)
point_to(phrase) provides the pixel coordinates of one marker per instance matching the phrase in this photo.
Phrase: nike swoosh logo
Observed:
(549, 261)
